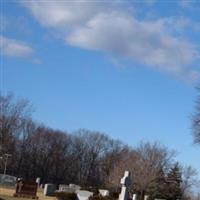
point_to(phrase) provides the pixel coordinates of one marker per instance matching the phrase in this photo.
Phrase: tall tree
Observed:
(14, 114)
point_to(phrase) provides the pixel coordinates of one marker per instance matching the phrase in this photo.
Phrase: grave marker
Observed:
(125, 182)
(49, 189)
(7, 180)
(104, 192)
(26, 189)
(146, 197)
(134, 197)
(83, 194)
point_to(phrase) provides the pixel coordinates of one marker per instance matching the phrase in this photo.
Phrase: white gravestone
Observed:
(83, 194)
(146, 197)
(125, 182)
(104, 193)
(134, 197)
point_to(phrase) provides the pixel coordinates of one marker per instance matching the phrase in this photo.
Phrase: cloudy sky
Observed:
(127, 68)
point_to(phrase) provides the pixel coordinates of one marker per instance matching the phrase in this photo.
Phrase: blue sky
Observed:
(126, 68)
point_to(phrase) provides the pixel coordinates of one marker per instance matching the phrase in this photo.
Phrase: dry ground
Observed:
(7, 194)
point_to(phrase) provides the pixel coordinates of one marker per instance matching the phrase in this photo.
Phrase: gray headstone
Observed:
(49, 189)
(66, 188)
(7, 180)
(74, 186)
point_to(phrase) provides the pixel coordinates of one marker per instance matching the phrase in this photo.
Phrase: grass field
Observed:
(7, 194)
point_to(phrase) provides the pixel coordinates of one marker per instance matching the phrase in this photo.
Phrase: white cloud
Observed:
(111, 28)
(14, 48)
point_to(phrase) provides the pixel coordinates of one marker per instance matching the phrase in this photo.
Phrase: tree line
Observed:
(87, 158)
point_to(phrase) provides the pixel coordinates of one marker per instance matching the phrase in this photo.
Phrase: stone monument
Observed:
(146, 197)
(134, 197)
(26, 190)
(125, 182)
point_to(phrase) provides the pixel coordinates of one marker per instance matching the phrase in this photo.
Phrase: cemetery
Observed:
(47, 164)
(44, 163)
(28, 190)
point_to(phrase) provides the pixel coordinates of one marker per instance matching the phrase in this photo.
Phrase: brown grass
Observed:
(7, 194)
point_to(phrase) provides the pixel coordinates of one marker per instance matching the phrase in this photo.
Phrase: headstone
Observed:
(38, 181)
(66, 188)
(26, 189)
(104, 192)
(49, 189)
(125, 182)
(83, 194)
(74, 186)
(146, 197)
(134, 197)
(7, 180)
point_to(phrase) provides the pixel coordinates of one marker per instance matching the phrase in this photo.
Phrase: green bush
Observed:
(65, 196)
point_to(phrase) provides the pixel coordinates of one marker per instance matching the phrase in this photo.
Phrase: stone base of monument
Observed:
(25, 196)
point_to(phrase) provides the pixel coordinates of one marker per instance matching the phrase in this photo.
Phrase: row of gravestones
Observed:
(49, 190)
(24, 189)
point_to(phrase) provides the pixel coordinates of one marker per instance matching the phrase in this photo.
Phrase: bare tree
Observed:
(13, 115)
(22, 146)
(91, 150)
(144, 163)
